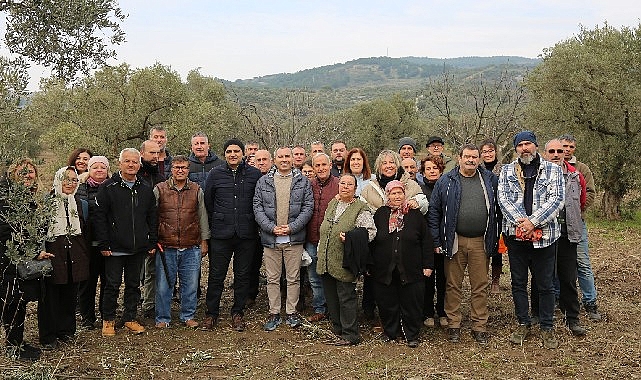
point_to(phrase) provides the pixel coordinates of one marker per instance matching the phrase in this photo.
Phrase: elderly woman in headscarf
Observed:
(67, 249)
(402, 257)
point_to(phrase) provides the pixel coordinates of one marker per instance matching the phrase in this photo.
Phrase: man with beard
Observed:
(531, 193)
(339, 150)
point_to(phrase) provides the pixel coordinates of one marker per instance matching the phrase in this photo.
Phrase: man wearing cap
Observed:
(466, 235)
(531, 194)
(229, 192)
(435, 145)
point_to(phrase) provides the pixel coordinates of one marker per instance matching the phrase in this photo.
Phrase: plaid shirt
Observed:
(549, 195)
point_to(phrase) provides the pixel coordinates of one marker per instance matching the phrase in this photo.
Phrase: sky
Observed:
(242, 39)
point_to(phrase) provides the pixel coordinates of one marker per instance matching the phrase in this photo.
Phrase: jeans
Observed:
(541, 261)
(186, 264)
(584, 270)
(221, 252)
(318, 301)
(114, 268)
(148, 275)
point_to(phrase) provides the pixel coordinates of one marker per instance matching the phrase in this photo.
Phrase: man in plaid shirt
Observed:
(531, 193)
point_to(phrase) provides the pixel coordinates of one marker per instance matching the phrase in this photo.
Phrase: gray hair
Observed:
(381, 156)
(159, 128)
(200, 134)
(128, 150)
(329, 160)
(291, 153)
(567, 137)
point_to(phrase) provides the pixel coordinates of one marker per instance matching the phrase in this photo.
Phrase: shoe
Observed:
(480, 336)
(210, 322)
(593, 314)
(272, 322)
(577, 329)
(429, 322)
(237, 322)
(443, 322)
(519, 335)
(249, 303)
(191, 323)
(549, 339)
(342, 342)
(23, 351)
(293, 320)
(454, 335)
(49, 346)
(108, 328)
(386, 339)
(135, 327)
(534, 320)
(317, 317)
(162, 325)
(412, 343)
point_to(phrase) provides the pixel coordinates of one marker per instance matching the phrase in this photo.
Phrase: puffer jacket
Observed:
(198, 171)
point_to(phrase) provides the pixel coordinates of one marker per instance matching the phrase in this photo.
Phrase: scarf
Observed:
(396, 216)
(93, 183)
(66, 220)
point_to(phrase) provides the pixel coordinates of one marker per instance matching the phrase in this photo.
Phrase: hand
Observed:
(438, 250)
(412, 203)
(526, 226)
(427, 272)
(45, 255)
(342, 236)
(151, 252)
(204, 248)
(106, 253)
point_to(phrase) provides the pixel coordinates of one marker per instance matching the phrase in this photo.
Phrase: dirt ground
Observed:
(612, 348)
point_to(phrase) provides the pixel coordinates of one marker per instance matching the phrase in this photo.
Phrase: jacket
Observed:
(375, 197)
(444, 208)
(574, 203)
(126, 219)
(182, 218)
(229, 201)
(150, 175)
(301, 205)
(323, 193)
(198, 170)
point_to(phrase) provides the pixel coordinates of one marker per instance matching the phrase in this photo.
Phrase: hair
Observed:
(299, 146)
(179, 158)
(200, 134)
(568, 137)
(338, 142)
(468, 147)
(349, 175)
(128, 150)
(329, 160)
(318, 143)
(367, 171)
(381, 157)
(268, 153)
(252, 143)
(554, 140)
(488, 141)
(12, 172)
(308, 163)
(142, 145)
(76, 152)
(159, 128)
(283, 147)
(436, 160)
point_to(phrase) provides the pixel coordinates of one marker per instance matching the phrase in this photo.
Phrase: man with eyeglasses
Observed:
(531, 193)
(435, 146)
(182, 240)
(584, 266)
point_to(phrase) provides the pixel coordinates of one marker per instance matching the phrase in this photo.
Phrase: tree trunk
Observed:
(611, 205)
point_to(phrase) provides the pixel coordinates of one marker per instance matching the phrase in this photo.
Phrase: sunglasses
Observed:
(559, 151)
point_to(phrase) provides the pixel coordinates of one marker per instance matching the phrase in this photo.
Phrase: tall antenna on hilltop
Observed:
(387, 53)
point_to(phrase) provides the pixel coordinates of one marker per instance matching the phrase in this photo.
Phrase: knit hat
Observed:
(394, 184)
(434, 139)
(102, 159)
(407, 141)
(233, 141)
(525, 136)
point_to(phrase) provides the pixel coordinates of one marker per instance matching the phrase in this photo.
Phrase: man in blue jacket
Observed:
(463, 220)
(201, 159)
(283, 204)
(229, 194)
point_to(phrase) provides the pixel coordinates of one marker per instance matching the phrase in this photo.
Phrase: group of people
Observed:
(409, 228)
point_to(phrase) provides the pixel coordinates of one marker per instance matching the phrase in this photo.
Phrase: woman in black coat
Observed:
(402, 257)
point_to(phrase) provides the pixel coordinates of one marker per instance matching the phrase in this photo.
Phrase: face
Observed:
(283, 160)
(200, 146)
(406, 151)
(151, 153)
(251, 161)
(308, 171)
(526, 150)
(317, 148)
(250, 149)
(180, 171)
(346, 188)
(69, 182)
(431, 172)
(160, 137)
(488, 153)
(569, 147)
(338, 152)
(81, 162)
(129, 165)
(388, 166)
(263, 160)
(396, 197)
(409, 165)
(322, 168)
(555, 152)
(98, 171)
(299, 156)
(435, 148)
(469, 161)
(233, 156)
(356, 163)
(27, 173)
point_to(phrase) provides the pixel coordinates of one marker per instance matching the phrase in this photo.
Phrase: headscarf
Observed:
(397, 213)
(67, 219)
(96, 159)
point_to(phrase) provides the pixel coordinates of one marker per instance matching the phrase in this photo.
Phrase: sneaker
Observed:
(549, 339)
(454, 335)
(443, 322)
(429, 322)
(162, 325)
(480, 337)
(209, 323)
(272, 322)
(293, 320)
(520, 334)
(577, 329)
(135, 327)
(593, 314)
(237, 322)
(108, 328)
(24, 351)
(191, 323)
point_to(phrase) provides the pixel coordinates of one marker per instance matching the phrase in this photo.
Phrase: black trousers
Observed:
(13, 309)
(342, 306)
(254, 270)
(87, 289)
(57, 312)
(400, 306)
(115, 266)
(435, 285)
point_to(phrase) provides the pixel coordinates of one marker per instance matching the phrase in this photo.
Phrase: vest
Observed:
(178, 219)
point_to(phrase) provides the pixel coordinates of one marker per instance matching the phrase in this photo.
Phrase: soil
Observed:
(611, 349)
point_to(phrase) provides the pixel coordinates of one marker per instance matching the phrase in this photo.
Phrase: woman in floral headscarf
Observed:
(402, 257)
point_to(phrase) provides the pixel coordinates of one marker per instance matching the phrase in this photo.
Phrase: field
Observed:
(611, 350)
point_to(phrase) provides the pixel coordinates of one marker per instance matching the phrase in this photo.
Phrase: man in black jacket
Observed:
(126, 227)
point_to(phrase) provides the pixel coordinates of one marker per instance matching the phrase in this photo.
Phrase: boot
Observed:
(496, 276)
(593, 313)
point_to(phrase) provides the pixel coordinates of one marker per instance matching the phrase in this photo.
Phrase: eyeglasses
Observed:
(559, 151)
(179, 168)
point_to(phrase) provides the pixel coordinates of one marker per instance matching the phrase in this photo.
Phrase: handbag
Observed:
(34, 269)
